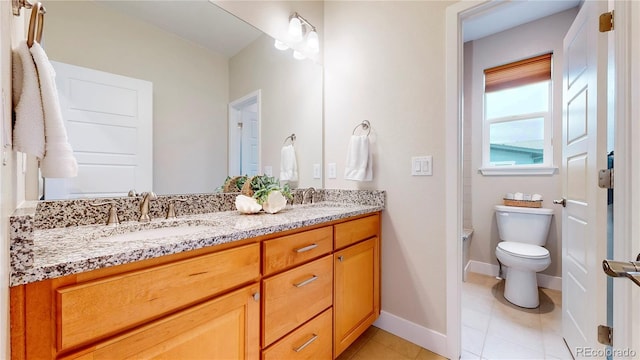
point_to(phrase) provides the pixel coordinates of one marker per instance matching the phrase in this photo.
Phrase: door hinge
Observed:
(605, 335)
(606, 21)
(605, 178)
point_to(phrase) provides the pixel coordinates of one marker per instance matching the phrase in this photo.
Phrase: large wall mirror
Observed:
(202, 65)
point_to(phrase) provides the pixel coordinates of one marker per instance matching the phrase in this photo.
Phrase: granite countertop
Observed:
(70, 250)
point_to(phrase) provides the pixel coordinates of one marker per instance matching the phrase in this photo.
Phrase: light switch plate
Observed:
(422, 165)
(268, 170)
(331, 170)
(316, 171)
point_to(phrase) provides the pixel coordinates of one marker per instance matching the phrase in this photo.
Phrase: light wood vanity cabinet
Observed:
(226, 327)
(320, 291)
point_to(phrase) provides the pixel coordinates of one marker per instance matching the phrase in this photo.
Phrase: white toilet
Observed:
(523, 232)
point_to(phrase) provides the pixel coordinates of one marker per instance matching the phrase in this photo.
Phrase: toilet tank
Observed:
(525, 225)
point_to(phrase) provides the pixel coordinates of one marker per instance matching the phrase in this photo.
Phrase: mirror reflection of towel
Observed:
(359, 161)
(288, 164)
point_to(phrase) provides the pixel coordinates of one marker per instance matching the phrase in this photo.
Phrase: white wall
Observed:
(384, 62)
(527, 40)
(190, 87)
(291, 103)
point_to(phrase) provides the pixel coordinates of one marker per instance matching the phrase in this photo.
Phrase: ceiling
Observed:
(506, 14)
(198, 21)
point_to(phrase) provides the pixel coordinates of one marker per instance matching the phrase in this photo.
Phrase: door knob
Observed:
(562, 202)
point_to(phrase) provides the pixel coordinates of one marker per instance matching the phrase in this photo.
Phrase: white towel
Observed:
(28, 133)
(288, 164)
(58, 161)
(359, 161)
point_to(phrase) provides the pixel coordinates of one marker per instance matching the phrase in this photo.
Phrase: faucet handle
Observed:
(171, 210)
(113, 212)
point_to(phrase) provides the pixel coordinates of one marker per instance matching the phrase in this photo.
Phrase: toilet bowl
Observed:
(523, 232)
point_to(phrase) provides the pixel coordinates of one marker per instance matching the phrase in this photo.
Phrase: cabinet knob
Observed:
(256, 296)
(341, 258)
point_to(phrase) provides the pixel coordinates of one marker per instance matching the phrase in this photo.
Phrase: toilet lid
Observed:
(523, 250)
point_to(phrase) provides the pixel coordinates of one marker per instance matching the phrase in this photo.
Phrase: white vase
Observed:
(275, 202)
(247, 205)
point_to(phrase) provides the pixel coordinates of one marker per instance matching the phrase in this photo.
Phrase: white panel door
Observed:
(109, 123)
(250, 140)
(584, 152)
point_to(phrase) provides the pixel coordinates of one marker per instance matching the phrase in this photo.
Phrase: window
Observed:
(517, 117)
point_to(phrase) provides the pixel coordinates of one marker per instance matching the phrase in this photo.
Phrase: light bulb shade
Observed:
(280, 45)
(295, 29)
(298, 55)
(313, 43)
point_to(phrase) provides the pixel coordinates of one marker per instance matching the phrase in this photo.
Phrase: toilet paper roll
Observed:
(536, 197)
(518, 196)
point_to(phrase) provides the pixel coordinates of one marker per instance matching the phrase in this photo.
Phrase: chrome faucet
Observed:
(309, 190)
(144, 206)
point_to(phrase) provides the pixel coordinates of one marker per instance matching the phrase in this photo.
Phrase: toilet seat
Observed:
(521, 250)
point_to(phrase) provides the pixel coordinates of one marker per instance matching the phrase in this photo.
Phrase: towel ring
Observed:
(291, 137)
(37, 16)
(365, 124)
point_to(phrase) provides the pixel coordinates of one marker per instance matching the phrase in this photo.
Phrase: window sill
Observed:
(517, 170)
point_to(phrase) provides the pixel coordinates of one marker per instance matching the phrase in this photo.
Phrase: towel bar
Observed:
(291, 137)
(365, 124)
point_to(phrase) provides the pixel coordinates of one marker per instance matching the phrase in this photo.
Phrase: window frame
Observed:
(547, 166)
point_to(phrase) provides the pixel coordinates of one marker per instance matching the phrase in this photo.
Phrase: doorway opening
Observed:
(244, 135)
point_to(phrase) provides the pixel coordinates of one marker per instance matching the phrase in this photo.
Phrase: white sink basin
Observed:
(152, 234)
(157, 233)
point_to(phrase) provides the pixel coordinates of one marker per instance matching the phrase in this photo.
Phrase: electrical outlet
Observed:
(316, 171)
(331, 170)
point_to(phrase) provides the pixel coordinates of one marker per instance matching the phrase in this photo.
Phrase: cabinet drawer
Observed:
(312, 340)
(104, 307)
(295, 296)
(226, 327)
(356, 230)
(287, 251)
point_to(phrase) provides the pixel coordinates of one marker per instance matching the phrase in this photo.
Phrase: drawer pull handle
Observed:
(307, 248)
(307, 343)
(306, 282)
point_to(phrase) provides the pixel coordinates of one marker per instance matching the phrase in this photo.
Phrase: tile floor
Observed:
(493, 328)
(378, 344)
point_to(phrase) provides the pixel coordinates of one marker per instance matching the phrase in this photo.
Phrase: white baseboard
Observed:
(545, 281)
(417, 334)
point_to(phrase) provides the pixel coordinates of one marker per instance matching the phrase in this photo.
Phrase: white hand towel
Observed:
(28, 133)
(288, 164)
(58, 161)
(359, 161)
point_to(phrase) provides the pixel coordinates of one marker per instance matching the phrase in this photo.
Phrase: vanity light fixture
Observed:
(295, 28)
(298, 28)
(313, 43)
(280, 45)
(298, 55)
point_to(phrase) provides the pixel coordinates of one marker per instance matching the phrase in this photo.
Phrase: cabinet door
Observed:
(226, 327)
(357, 292)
